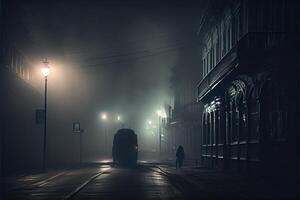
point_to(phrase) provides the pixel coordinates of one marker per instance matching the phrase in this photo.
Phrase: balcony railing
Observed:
(253, 43)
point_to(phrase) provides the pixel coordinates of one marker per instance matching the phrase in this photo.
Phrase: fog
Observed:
(115, 58)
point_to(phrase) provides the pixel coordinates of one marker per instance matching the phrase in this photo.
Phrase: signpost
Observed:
(77, 129)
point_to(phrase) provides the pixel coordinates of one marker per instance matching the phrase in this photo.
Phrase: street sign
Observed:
(40, 116)
(76, 127)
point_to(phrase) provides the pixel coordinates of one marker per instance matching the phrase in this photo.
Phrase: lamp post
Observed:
(45, 71)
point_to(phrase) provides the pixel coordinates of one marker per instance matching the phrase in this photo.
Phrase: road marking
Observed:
(74, 192)
(48, 180)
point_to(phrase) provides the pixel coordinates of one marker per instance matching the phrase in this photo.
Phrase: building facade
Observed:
(21, 94)
(249, 86)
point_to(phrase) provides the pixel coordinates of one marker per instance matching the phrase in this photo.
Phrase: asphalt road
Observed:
(103, 182)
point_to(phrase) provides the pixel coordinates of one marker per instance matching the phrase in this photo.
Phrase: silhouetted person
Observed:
(179, 156)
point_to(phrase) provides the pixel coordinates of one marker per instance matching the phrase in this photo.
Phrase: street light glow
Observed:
(104, 116)
(45, 69)
(149, 122)
(161, 114)
(158, 112)
(119, 118)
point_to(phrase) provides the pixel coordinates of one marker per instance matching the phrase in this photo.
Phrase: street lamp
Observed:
(45, 72)
(104, 116)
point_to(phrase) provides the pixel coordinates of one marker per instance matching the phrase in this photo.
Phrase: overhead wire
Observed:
(129, 58)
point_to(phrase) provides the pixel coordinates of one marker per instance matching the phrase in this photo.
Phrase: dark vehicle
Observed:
(125, 147)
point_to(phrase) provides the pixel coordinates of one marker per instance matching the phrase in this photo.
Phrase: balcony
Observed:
(253, 47)
(218, 73)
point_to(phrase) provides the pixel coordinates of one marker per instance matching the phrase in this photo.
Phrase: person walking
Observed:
(179, 156)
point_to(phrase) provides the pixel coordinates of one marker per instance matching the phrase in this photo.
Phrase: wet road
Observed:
(102, 182)
(139, 183)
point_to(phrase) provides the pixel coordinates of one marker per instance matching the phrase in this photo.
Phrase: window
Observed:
(235, 123)
(236, 28)
(204, 134)
(218, 50)
(254, 117)
(215, 54)
(220, 129)
(229, 125)
(208, 62)
(213, 125)
(228, 37)
(224, 42)
(275, 109)
(243, 122)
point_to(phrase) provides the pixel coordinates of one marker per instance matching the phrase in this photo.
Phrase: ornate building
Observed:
(21, 94)
(249, 86)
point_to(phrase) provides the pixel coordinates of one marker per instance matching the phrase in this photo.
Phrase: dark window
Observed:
(253, 117)
(224, 42)
(228, 124)
(277, 117)
(208, 129)
(235, 123)
(219, 131)
(243, 122)
(213, 125)
(204, 128)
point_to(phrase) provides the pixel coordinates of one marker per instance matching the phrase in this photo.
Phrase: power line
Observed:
(136, 58)
(144, 51)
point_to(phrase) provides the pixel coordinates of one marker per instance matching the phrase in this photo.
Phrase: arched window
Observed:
(237, 111)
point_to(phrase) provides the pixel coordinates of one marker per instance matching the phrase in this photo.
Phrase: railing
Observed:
(252, 42)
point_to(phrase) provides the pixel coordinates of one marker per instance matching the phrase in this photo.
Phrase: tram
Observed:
(125, 147)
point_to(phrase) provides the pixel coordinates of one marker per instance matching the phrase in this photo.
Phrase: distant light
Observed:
(104, 116)
(162, 135)
(161, 113)
(119, 118)
(45, 69)
(149, 122)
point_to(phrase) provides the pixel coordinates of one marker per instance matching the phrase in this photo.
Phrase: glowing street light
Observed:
(104, 116)
(149, 122)
(105, 131)
(118, 118)
(161, 114)
(45, 72)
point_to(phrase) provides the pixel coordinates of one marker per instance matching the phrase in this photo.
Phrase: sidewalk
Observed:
(226, 185)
